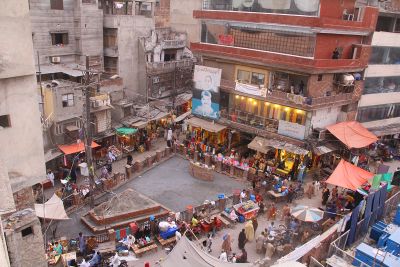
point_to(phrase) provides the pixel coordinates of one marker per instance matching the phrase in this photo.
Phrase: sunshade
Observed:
(53, 209)
(187, 254)
(352, 134)
(75, 148)
(348, 176)
(260, 144)
(206, 125)
(183, 116)
(127, 131)
(307, 214)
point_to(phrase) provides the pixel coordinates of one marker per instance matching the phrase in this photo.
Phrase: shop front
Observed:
(127, 139)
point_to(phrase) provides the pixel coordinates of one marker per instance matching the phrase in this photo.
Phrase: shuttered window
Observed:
(57, 4)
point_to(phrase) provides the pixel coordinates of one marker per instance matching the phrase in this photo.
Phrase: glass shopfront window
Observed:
(379, 112)
(375, 85)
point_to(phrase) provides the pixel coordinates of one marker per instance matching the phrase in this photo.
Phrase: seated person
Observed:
(58, 248)
(195, 222)
(95, 260)
(242, 258)
(202, 214)
(233, 216)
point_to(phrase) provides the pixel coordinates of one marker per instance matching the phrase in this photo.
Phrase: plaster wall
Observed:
(182, 18)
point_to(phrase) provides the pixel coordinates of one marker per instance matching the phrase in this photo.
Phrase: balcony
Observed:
(154, 67)
(295, 63)
(349, 22)
(292, 100)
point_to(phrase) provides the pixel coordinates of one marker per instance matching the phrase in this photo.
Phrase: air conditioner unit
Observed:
(156, 79)
(55, 59)
(320, 133)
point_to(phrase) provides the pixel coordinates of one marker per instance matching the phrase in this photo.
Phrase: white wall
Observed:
(325, 117)
(182, 18)
(382, 70)
(379, 99)
(386, 39)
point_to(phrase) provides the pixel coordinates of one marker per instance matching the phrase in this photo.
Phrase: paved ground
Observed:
(171, 185)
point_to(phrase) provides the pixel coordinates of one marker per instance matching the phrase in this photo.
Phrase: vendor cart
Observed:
(248, 209)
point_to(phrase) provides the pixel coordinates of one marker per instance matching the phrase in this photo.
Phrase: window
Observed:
(27, 231)
(57, 4)
(257, 78)
(320, 77)
(243, 76)
(59, 129)
(5, 121)
(67, 100)
(60, 38)
(169, 56)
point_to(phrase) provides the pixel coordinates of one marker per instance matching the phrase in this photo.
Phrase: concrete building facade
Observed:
(379, 107)
(302, 59)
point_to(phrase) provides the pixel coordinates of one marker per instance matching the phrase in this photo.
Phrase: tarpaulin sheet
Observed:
(52, 209)
(348, 176)
(75, 148)
(352, 134)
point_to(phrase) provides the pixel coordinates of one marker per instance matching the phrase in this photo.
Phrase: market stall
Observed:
(201, 171)
(127, 139)
(214, 133)
(248, 209)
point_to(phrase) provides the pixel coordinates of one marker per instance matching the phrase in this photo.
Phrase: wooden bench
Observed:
(140, 251)
(225, 222)
(166, 242)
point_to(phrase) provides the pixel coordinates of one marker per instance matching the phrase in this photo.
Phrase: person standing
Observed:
(249, 231)
(209, 243)
(169, 137)
(325, 195)
(255, 224)
(242, 239)
(226, 244)
(50, 176)
(223, 257)
(242, 196)
(82, 244)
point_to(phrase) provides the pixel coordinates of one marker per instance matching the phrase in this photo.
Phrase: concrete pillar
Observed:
(149, 161)
(219, 166)
(208, 160)
(167, 151)
(111, 234)
(139, 166)
(196, 156)
(174, 148)
(128, 171)
(159, 155)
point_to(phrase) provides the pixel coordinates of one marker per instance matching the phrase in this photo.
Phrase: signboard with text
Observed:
(226, 39)
(291, 129)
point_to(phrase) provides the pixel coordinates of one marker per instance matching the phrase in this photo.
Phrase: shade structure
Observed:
(348, 176)
(307, 214)
(352, 134)
(75, 148)
(53, 209)
(183, 116)
(260, 144)
(206, 125)
(127, 131)
(188, 254)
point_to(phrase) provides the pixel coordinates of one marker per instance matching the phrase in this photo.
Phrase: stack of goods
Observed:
(116, 152)
(246, 206)
(167, 229)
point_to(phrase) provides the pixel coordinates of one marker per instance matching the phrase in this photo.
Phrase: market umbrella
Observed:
(307, 214)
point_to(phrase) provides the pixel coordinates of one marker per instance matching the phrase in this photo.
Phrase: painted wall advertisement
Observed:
(205, 100)
(250, 89)
(291, 129)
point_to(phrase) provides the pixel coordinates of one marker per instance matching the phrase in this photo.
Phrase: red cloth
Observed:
(134, 228)
(122, 233)
(348, 176)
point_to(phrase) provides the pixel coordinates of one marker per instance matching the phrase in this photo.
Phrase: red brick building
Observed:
(289, 66)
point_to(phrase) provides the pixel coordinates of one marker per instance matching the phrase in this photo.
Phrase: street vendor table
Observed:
(281, 172)
(247, 209)
(276, 196)
(201, 171)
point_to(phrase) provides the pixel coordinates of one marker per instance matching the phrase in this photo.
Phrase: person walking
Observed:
(325, 195)
(249, 231)
(226, 244)
(82, 244)
(242, 239)
(169, 137)
(50, 176)
(255, 224)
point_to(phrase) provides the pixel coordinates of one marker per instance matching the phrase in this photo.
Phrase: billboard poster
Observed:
(205, 100)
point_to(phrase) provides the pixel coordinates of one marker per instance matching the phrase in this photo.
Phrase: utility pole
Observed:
(88, 136)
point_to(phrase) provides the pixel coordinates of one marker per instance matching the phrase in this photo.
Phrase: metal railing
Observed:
(252, 120)
(168, 44)
(169, 65)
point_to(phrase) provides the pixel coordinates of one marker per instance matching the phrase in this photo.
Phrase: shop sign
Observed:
(226, 39)
(291, 129)
(250, 89)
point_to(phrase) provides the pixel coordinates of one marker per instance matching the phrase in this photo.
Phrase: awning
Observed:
(63, 68)
(260, 144)
(52, 154)
(183, 116)
(75, 148)
(348, 176)
(53, 209)
(206, 125)
(139, 124)
(285, 146)
(127, 131)
(352, 134)
(187, 254)
(325, 149)
(71, 128)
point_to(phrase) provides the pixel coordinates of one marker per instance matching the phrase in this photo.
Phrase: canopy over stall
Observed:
(260, 144)
(75, 148)
(183, 116)
(126, 131)
(352, 134)
(187, 254)
(349, 176)
(206, 125)
(53, 209)
(324, 149)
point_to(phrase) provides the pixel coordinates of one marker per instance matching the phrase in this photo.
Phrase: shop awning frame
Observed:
(324, 149)
(75, 148)
(206, 125)
(126, 131)
(183, 116)
(352, 134)
(260, 144)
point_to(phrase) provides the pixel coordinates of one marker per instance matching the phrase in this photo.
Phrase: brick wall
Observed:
(319, 88)
(162, 14)
(24, 198)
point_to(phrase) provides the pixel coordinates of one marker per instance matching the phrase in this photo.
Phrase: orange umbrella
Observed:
(352, 134)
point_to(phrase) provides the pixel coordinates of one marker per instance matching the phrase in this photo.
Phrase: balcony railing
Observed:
(297, 101)
(169, 65)
(252, 120)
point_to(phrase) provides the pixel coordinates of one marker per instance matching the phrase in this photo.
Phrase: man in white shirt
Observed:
(178, 236)
(50, 176)
(169, 137)
(242, 196)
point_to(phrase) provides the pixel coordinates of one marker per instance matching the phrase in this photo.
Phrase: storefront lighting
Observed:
(237, 97)
(287, 109)
(299, 111)
(266, 103)
(242, 97)
(277, 106)
(255, 103)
